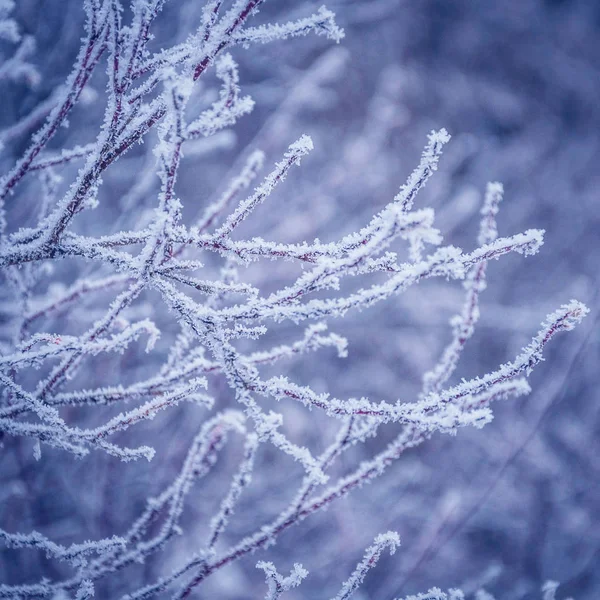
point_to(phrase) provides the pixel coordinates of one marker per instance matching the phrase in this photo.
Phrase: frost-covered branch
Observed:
(391, 540)
(277, 583)
(146, 310)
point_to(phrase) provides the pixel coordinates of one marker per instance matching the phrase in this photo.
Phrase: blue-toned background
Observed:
(517, 84)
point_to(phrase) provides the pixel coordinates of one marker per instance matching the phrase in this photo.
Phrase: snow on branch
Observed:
(428, 165)
(75, 553)
(548, 591)
(82, 297)
(292, 157)
(238, 483)
(390, 540)
(230, 106)
(463, 325)
(321, 23)
(277, 583)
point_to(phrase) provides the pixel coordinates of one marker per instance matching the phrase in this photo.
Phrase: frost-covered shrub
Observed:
(123, 308)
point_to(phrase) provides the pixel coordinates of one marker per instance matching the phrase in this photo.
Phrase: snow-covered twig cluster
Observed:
(45, 372)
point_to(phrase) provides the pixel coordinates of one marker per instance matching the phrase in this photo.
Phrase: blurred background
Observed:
(517, 84)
